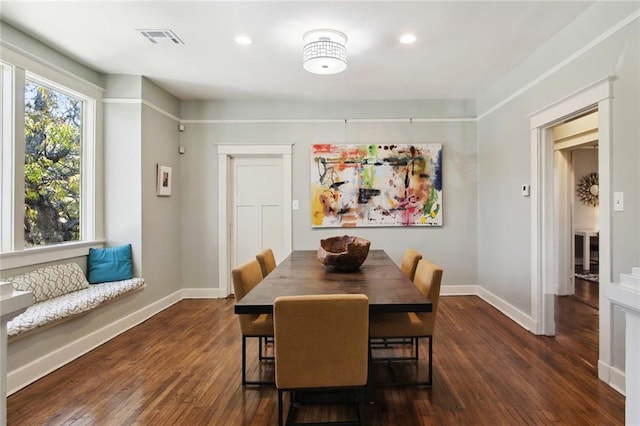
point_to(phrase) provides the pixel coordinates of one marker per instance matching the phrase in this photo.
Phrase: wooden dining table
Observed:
(379, 278)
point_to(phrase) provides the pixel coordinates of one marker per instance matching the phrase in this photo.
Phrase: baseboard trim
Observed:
(522, 319)
(615, 378)
(27, 374)
(459, 290)
(203, 293)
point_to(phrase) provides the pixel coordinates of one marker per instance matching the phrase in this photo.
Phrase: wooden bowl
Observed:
(345, 253)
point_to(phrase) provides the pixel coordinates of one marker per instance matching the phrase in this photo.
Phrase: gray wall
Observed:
(452, 245)
(485, 239)
(504, 157)
(136, 138)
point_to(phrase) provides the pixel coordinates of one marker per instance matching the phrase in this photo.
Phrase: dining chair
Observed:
(245, 277)
(414, 325)
(321, 344)
(410, 259)
(267, 261)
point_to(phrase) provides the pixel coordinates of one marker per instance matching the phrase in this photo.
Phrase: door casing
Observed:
(225, 193)
(543, 218)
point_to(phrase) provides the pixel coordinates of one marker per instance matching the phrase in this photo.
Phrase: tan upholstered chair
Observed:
(410, 259)
(245, 278)
(321, 343)
(409, 264)
(267, 261)
(414, 325)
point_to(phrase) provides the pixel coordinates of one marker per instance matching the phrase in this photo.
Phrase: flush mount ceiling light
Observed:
(324, 51)
(243, 40)
(408, 38)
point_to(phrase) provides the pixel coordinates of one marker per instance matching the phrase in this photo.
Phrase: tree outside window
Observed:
(53, 141)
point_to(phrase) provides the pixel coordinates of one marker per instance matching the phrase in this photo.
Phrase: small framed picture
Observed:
(163, 181)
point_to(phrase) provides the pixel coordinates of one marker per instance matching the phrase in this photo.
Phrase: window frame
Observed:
(15, 69)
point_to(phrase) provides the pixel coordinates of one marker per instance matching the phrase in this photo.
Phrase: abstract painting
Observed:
(376, 185)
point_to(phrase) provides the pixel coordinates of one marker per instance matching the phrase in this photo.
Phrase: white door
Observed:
(257, 207)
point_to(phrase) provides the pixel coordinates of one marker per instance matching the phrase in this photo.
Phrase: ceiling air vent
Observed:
(161, 36)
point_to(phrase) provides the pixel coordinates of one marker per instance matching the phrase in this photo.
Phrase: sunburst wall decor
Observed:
(588, 189)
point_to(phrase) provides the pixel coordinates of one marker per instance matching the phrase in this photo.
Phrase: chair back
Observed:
(427, 279)
(267, 261)
(409, 264)
(321, 341)
(245, 277)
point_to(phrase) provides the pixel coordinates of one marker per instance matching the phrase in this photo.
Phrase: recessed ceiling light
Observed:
(408, 39)
(243, 40)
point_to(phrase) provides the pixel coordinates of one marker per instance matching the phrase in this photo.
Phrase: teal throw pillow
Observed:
(110, 264)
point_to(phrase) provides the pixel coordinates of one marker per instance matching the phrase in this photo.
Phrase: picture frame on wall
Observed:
(376, 185)
(163, 180)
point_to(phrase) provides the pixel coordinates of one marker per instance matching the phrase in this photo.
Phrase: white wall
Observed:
(453, 245)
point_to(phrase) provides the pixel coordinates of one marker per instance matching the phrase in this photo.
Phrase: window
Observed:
(46, 161)
(52, 165)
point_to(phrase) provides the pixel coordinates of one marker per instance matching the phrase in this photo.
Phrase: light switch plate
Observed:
(295, 205)
(525, 190)
(618, 201)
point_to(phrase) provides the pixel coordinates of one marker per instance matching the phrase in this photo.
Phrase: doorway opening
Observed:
(576, 187)
(548, 258)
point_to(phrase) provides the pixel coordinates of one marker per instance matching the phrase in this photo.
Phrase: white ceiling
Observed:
(462, 47)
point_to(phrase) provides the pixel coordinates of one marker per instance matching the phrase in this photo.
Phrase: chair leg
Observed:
(264, 341)
(245, 382)
(414, 357)
(280, 419)
(244, 360)
(430, 383)
(360, 401)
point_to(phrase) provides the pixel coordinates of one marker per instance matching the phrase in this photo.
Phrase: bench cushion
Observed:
(51, 281)
(69, 305)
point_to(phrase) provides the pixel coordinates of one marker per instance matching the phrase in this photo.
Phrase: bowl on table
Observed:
(345, 253)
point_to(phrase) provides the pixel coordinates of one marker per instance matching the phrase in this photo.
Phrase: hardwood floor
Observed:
(183, 367)
(586, 291)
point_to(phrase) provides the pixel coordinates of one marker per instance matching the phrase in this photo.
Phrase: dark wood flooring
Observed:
(586, 291)
(182, 367)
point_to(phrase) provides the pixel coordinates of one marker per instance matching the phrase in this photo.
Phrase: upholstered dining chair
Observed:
(245, 277)
(321, 344)
(410, 259)
(414, 325)
(267, 261)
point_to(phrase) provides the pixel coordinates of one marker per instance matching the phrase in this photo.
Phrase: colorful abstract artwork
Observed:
(376, 185)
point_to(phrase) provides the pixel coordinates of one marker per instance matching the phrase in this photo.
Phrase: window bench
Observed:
(61, 292)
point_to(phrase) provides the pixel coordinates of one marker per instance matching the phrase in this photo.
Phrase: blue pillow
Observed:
(110, 264)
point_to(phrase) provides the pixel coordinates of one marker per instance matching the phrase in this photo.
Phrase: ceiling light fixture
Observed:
(243, 40)
(324, 51)
(408, 39)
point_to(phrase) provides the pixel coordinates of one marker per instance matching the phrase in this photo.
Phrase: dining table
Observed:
(301, 273)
